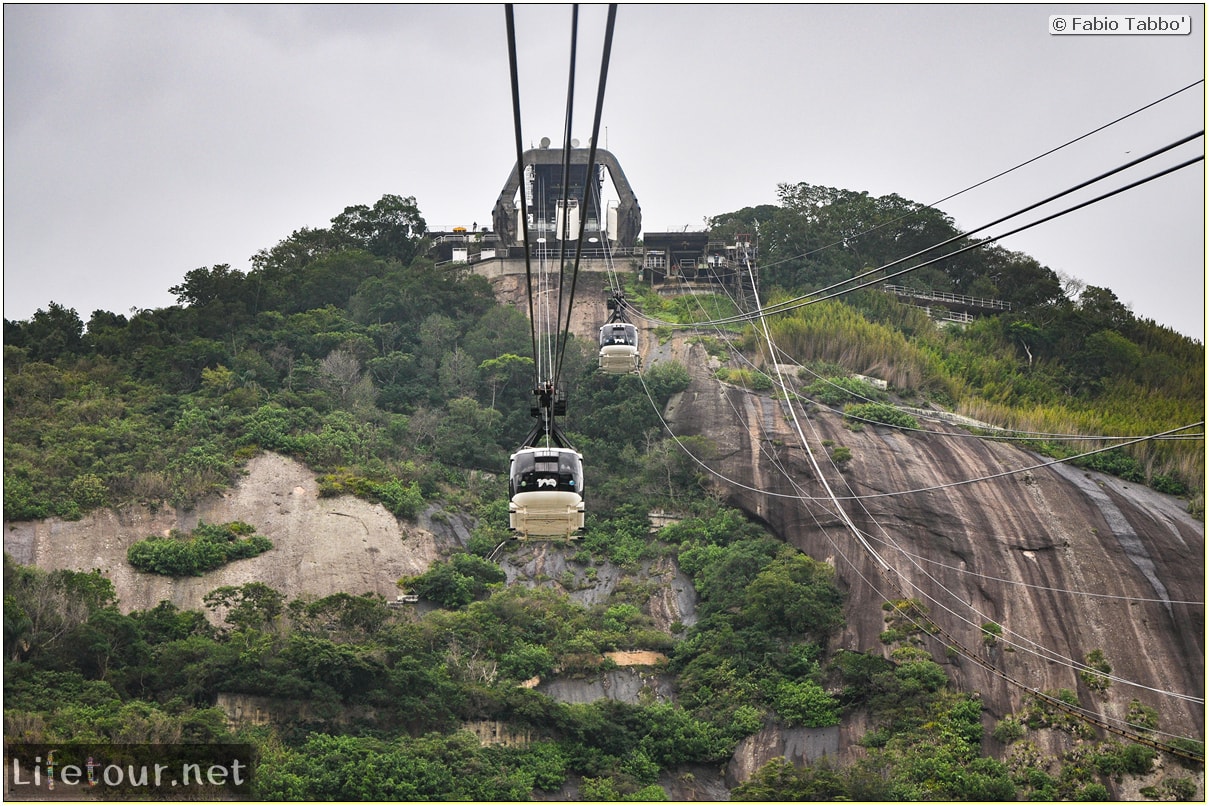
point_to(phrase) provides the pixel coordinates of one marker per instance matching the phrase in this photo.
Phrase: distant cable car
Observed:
(545, 486)
(618, 342)
(619, 348)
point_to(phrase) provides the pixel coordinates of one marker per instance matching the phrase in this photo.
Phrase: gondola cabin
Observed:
(546, 490)
(619, 348)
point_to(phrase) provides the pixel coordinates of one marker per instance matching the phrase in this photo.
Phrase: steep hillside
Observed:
(1065, 561)
(321, 546)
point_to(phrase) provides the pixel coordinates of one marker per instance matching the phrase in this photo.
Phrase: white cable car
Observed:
(546, 490)
(619, 348)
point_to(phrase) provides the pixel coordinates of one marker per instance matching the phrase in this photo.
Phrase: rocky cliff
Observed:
(1065, 561)
(321, 546)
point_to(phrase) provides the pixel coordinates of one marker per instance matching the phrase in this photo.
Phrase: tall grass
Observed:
(983, 375)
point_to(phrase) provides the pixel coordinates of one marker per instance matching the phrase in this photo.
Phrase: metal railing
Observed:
(944, 296)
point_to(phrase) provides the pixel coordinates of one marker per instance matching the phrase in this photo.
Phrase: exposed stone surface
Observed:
(321, 546)
(1067, 561)
(630, 684)
(795, 745)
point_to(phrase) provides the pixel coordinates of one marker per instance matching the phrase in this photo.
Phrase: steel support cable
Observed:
(839, 509)
(562, 232)
(803, 301)
(1046, 588)
(1022, 211)
(890, 544)
(966, 572)
(589, 175)
(996, 176)
(894, 578)
(1041, 651)
(811, 298)
(699, 462)
(1001, 434)
(520, 167)
(1044, 653)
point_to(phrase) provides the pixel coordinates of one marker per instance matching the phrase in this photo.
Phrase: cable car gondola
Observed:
(618, 342)
(546, 489)
(546, 481)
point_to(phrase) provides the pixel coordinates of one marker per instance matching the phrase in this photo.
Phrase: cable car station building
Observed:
(672, 262)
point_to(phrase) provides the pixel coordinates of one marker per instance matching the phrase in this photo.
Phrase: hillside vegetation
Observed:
(406, 384)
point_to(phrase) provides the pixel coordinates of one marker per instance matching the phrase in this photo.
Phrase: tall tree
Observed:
(392, 228)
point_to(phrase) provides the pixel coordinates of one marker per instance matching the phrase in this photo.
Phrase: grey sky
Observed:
(144, 141)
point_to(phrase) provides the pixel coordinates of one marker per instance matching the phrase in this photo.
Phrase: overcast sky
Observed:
(143, 141)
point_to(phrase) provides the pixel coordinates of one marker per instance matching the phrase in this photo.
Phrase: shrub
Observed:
(839, 390)
(207, 547)
(1008, 730)
(1141, 716)
(806, 703)
(880, 414)
(1098, 664)
(456, 583)
(1183, 789)
(747, 378)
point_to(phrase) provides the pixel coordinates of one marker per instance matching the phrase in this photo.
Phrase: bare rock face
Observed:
(321, 546)
(1064, 560)
(798, 746)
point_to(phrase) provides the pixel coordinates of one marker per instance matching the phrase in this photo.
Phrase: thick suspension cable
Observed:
(566, 193)
(897, 581)
(1022, 210)
(520, 166)
(1002, 173)
(810, 299)
(589, 177)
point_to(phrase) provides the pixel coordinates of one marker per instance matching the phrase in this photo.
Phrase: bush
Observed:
(456, 583)
(841, 389)
(209, 546)
(806, 703)
(880, 414)
(747, 378)
(1008, 730)
(1095, 677)
(403, 502)
(1182, 789)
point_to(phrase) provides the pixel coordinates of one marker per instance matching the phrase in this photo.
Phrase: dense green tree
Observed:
(221, 297)
(49, 334)
(253, 605)
(456, 583)
(780, 781)
(391, 228)
(795, 595)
